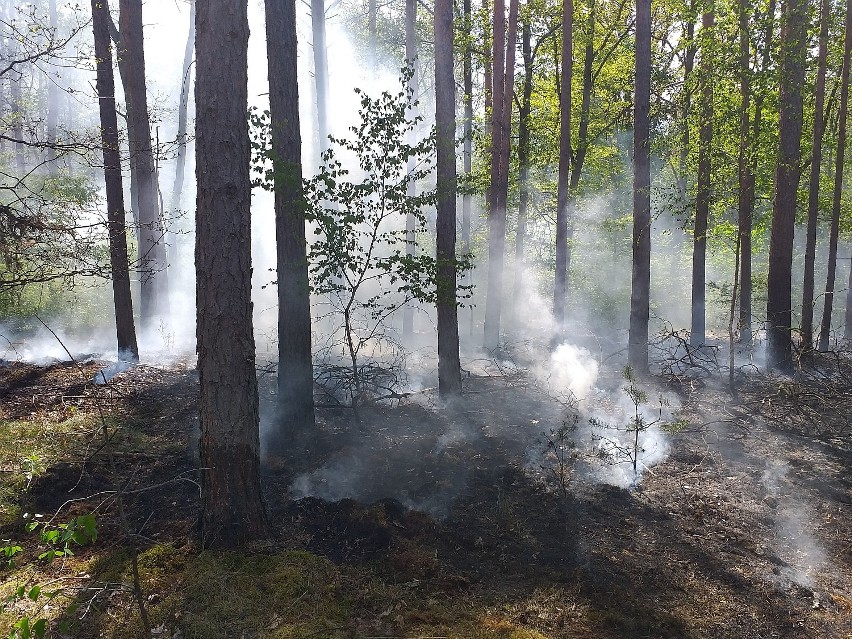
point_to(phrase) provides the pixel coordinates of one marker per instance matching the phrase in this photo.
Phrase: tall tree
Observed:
(787, 173)
(449, 368)
(52, 98)
(232, 510)
(560, 284)
(749, 171)
(295, 368)
(467, 83)
(122, 301)
(524, 110)
(152, 264)
(813, 186)
(637, 352)
(320, 74)
(702, 200)
(503, 79)
(410, 220)
(840, 157)
(183, 112)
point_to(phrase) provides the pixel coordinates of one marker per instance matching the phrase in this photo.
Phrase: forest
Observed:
(419, 319)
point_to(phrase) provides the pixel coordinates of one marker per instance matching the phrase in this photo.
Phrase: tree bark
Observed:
(813, 187)
(232, 512)
(688, 66)
(320, 75)
(702, 200)
(295, 366)
(467, 197)
(787, 174)
(52, 119)
(183, 111)
(122, 300)
(523, 168)
(152, 250)
(840, 157)
(449, 368)
(503, 78)
(560, 284)
(637, 353)
(410, 221)
(747, 187)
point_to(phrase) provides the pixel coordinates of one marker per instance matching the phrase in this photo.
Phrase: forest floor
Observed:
(462, 526)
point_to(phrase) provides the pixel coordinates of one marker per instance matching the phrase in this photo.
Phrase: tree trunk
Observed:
(449, 369)
(320, 75)
(183, 110)
(122, 300)
(467, 197)
(410, 221)
(560, 284)
(825, 329)
(747, 188)
(52, 100)
(787, 174)
(488, 75)
(503, 78)
(702, 200)
(518, 298)
(637, 354)
(813, 187)
(152, 250)
(295, 367)
(372, 33)
(688, 66)
(745, 179)
(232, 512)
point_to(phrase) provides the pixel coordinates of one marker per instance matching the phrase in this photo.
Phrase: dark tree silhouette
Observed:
(232, 510)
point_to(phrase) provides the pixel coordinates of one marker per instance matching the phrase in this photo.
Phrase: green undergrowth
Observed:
(28, 448)
(280, 595)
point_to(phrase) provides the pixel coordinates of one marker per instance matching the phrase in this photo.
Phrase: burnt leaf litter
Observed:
(458, 527)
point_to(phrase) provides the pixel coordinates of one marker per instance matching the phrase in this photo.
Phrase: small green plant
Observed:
(8, 551)
(79, 531)
(560, 453)
(619, 451)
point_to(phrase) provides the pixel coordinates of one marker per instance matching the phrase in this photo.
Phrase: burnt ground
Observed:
(744, 530)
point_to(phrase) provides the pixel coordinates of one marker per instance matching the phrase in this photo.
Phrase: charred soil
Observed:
(418, 520)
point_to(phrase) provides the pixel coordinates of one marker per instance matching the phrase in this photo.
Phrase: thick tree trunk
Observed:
(787, 174)
(503, 78)
(153, 302)
(467, 197)
(123, 303)
(840, 157)
(449, 369)
(232, 512)
(183, 111)
(295, 367)
(488, 74)
(813, 187)
(560, 284)
(518, 297)
(637, 353)
(702, 200)
(410, 221)
(320, 75)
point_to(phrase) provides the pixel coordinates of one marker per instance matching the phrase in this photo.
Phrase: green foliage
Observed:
(79, 531)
